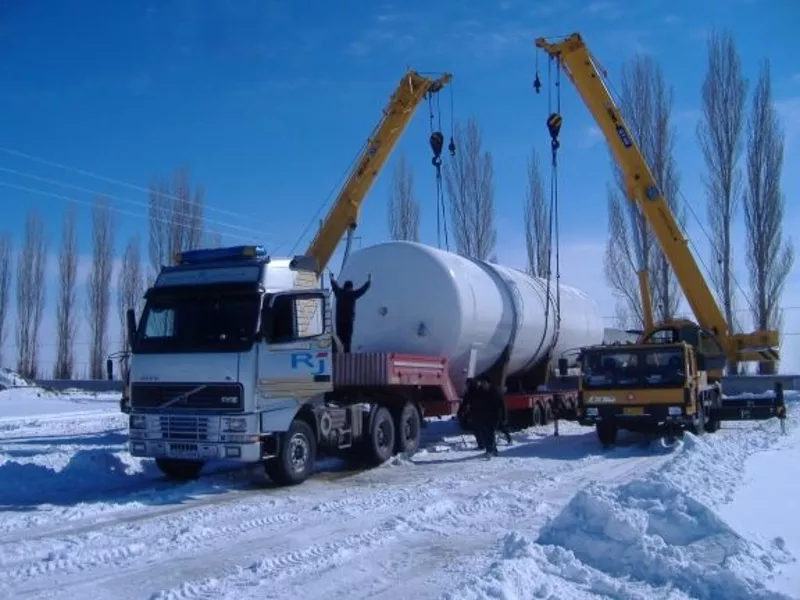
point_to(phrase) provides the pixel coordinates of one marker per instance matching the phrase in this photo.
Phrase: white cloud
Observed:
(591, 138)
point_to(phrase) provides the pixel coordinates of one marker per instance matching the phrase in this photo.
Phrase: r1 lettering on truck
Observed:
(315, 362)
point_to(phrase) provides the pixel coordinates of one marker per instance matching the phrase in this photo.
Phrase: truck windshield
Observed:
(634, 368)
(194, 323)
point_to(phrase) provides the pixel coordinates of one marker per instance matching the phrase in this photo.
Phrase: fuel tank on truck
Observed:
(427, 301)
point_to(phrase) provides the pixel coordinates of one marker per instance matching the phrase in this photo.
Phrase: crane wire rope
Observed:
(437, 145)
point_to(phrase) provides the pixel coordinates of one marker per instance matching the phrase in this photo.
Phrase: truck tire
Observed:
(297, 454)
(548, 414)
(179, 470)
(379, 442)
(698, 421)
(607, 433)
(536, 415)
(408, 430)
(712, 426)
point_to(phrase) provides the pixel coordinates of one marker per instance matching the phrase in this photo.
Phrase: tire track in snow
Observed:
(424, 525)
(181, 527)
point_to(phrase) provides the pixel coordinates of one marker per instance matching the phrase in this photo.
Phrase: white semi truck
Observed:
(233, 357)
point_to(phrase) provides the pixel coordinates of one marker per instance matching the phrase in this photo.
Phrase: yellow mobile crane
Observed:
(343, 215)
(649, 393)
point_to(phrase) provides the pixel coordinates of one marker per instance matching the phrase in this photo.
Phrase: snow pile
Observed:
(657, 536)
(10, 379)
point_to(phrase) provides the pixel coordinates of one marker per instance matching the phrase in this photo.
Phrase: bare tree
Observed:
(6, 255)
(403, 207)
(769, 257)
(130, 284)
(720, 132)
(31, 263)
(66, 324)
(646, 103)
(537, 220)
(176, 218)
(469, 181)
(99, 285)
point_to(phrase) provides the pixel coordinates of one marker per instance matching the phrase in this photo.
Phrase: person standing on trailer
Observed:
(346, 298)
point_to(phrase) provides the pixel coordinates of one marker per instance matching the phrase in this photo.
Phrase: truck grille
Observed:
(176, 427)
(214, 396)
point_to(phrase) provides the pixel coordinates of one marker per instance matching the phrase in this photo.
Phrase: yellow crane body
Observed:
(343, 215)
(581, 68)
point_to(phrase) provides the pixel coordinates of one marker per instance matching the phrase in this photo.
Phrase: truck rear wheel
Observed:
(179, 470)
(296, 456)
(408, 429)
(379, 444)
(607, 433)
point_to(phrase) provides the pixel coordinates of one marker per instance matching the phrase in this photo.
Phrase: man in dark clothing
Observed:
(487, 414)
(468, 409)
(346, 298)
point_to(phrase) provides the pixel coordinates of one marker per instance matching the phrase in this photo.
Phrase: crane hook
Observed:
(437, 144)
(452, 146)
(537, 83)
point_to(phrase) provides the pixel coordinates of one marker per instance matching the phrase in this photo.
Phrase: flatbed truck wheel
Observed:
(296, 455)
(698, 425)
(380, 439)
(179, 470)
(408, 431)
(607, 433)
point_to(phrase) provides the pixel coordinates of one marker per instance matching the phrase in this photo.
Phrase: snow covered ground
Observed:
(707, 518)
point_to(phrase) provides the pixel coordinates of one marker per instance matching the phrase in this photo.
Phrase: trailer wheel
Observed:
(712, 425)
(607, 433)
(536, 415)
(179, 470)
(408, 430)
(296, 455)
(380, 439)
(548, 413)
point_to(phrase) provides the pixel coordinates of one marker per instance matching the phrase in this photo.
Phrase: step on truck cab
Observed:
(233, 359)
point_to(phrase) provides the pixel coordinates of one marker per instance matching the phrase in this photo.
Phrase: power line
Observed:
(125, 200)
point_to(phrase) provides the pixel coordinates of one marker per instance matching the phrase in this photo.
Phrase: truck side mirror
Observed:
(563, 367)
(130, 319)
(110, 369)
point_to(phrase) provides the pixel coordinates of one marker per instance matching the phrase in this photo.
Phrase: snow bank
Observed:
(657, 536)
(10, 379)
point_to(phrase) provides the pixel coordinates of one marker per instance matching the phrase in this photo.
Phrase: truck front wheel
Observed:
(179, 470)
(297, 454)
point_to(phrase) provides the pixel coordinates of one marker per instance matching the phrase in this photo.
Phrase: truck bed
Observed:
(376, 371)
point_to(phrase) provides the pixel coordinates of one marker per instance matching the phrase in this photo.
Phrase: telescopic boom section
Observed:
(411, 91)
(581, 68)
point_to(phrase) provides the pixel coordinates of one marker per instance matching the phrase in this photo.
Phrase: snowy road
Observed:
(551, 517)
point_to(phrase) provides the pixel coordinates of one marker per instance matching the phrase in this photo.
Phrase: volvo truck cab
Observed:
(229, 348)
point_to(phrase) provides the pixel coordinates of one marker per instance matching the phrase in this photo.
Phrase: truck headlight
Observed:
(592, 411)
(234, 424)
(137, 422)
(675, 411)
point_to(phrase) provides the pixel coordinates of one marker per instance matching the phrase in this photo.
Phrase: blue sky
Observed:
(268, 101)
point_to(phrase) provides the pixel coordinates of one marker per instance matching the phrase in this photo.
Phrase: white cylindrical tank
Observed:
(427, 301)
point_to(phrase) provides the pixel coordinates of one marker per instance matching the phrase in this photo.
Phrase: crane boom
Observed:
(343, 215)
(578, 64)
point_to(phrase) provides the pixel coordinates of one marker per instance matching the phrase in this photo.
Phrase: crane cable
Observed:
(554, 121)
(437, 145)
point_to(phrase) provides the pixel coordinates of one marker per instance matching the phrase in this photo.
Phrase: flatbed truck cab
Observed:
(646, 388)
(233, 359)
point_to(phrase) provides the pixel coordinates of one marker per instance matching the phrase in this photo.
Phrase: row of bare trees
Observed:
(175, 224)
